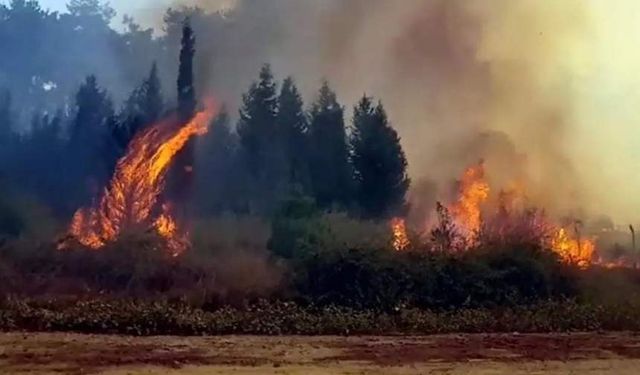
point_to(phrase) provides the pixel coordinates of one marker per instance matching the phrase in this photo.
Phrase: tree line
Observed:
(278, 149)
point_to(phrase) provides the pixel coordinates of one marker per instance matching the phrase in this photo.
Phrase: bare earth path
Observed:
(36, 354)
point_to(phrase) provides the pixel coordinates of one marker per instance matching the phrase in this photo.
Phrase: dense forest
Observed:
(67, 114)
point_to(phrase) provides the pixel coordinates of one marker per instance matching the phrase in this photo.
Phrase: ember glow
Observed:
(133, 198)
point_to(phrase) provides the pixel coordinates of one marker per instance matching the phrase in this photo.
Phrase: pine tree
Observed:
(380, 165)
(143, 107)
(216, 181)
(329, 157)
(260, 143)
(93, 108)
(91, 140)
(292, 123)
(186, 89)
(151, 101)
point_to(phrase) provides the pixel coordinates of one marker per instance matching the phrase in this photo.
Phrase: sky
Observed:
(145, 12)
(122, 6)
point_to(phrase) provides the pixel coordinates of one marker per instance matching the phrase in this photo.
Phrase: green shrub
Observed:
(297, 228)
(383, 279)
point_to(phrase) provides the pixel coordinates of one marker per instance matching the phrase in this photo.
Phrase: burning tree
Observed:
(133, 198)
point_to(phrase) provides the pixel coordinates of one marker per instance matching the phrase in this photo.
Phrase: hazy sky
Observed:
(145, 12)
(122, 6)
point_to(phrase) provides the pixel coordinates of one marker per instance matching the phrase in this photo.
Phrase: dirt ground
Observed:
(36, 354)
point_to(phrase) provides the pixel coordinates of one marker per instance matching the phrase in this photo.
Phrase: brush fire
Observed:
(133, 198)
(473, 217)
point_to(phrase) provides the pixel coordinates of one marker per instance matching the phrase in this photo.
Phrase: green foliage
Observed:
(292, 123)
(260, 144)
(218, 184)
(380, 166)
(297, 229)
(143, 107)
(328, 151)
(186, 89)
(384, 280)
(92, 158)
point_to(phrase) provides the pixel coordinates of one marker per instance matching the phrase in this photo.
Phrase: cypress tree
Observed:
(186, 89)
(181, 179)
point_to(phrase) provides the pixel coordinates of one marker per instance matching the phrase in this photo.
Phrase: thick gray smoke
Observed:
(500, 80)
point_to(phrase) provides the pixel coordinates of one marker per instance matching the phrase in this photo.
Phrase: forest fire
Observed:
(132, 199)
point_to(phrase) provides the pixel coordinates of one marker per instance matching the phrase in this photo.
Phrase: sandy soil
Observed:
(27, 353)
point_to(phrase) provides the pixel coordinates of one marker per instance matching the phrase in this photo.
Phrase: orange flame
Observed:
(131, 199)
(474, 191)
(400, 238)
(573, 250)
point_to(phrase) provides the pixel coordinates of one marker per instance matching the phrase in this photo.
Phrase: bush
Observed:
(385, 280)
(297, 228)
(135, 265)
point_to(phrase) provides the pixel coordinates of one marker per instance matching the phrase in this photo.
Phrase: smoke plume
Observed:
(528, 86)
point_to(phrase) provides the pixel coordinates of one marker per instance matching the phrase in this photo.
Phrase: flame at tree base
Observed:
(132, 199)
